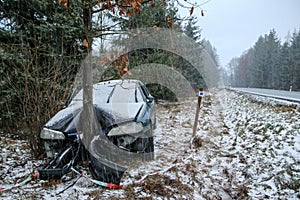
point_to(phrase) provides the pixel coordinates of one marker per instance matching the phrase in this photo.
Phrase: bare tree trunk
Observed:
(88, 125)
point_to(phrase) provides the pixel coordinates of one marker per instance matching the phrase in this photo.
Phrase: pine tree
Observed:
(285, 72)
(39, 58)
(272, 47)
(259, 66)
(295, 60)
(192, 30)
(212, 51)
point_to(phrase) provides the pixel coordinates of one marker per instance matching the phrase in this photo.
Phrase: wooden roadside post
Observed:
(200, 95)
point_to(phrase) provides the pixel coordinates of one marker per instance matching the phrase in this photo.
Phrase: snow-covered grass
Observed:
(266, 135)
(245, 148)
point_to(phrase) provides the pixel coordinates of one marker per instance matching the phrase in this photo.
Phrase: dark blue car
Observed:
(125, 111)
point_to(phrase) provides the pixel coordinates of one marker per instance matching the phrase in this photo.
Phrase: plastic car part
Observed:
(49, 134)
(125, 140)
(61, 163)
(104, 170)
(53, 147)
(131, 128)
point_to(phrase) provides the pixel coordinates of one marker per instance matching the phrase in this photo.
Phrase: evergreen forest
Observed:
(270, 63)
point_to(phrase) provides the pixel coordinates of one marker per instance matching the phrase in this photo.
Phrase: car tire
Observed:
(150, 146)
(145, 145)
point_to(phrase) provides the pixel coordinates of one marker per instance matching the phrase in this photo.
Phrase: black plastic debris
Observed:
(61, 163)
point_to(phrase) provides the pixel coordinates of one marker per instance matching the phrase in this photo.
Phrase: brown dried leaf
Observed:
(134, 4)
(128, 13)
(192, 10)
(121, 12)
(85, 43)
(170, 22)
(64, 3)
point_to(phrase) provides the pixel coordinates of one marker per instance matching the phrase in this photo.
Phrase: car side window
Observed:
(138, 95)
(145, 91)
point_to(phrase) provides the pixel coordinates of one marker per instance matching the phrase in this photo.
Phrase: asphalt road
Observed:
(278, 94)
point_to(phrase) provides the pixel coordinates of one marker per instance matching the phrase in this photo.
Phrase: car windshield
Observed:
(123, 92)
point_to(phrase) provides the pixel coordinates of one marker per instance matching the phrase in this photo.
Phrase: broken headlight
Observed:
(48, 134)
(131, 128)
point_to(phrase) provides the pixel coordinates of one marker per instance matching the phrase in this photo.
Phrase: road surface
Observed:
(278, 94)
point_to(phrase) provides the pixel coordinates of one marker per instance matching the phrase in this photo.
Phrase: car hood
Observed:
(107, 115)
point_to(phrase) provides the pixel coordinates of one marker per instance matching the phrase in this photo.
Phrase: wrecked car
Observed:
(125, 111)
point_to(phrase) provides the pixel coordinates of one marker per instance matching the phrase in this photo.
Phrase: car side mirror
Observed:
(150, 99)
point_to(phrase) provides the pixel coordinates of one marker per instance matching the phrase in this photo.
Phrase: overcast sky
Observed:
(233, 26)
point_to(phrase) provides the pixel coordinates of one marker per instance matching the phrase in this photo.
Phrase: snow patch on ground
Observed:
(246, 147)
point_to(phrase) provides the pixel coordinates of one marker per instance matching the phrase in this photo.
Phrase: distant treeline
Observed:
(269, 64)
